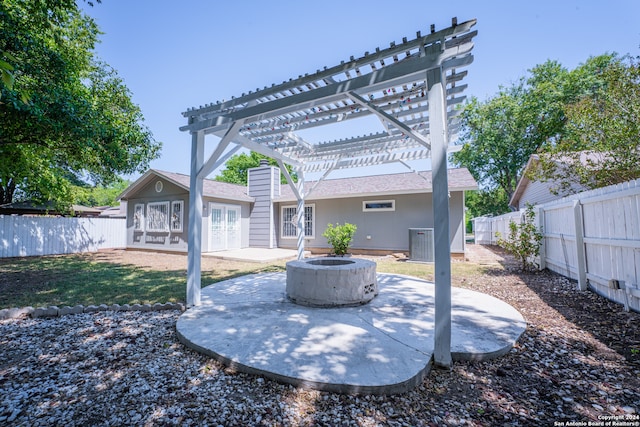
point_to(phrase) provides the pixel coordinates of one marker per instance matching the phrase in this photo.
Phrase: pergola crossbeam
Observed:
(384, 115)
(452, 35)
(397, 74)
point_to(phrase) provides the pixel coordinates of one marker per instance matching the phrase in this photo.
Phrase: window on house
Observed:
(378, 205)
(176, 215)
(290, 221)
(138, 217)
(158, 216)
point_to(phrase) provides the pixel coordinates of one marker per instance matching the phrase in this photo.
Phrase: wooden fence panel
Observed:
(483, 231)
(560, 240)
(32, 236)
(593, 236)
(612, 242)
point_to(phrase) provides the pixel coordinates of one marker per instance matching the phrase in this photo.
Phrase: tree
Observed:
(483, 202)
(602, 144)
(78, 120)
(236, 169)
(496, 144)
(500, 134)
(99, 195)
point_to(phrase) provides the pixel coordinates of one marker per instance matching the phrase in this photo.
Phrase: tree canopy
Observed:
(236, 169)
(63, 112)
(602, 144)
(534, 115)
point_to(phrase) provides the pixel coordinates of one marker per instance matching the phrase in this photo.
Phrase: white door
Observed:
(225, 227)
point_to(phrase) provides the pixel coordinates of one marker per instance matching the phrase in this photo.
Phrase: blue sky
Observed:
(175, 55)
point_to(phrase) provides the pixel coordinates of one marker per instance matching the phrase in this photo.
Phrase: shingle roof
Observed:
(400, 183)
(210, 187)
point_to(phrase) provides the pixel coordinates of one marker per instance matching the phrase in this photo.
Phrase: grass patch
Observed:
(134, 278)
(77, 279)
(459, 270)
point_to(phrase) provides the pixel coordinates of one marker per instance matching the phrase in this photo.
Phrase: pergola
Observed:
(411, 87)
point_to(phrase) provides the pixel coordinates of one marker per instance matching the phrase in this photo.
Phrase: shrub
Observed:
(340, 237)
(524, 239)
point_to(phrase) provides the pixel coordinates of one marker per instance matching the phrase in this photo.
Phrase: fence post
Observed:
(543, 256)
(580, 255)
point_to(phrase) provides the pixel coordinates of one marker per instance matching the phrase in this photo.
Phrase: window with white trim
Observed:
(289, 221)
(177, 209)
(138, 217)
(378, 205)
(158, 216)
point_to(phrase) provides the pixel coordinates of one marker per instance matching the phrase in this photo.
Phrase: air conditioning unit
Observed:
(421, 248)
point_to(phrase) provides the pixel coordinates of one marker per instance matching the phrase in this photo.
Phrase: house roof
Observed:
(31, 208)
(532, 163)
(211, 188)
(379, 185)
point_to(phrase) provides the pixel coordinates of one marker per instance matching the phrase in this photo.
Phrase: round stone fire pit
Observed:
(331, 281)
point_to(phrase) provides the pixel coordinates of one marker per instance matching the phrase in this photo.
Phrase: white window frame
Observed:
(138, 210)
(311, 206)
(151, 206)
(180, 216)
(366, 208)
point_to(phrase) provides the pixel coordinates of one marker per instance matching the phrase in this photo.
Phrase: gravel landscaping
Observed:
(578, 362)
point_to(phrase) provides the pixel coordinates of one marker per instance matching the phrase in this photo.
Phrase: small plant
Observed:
(340, 237)
(524, 239)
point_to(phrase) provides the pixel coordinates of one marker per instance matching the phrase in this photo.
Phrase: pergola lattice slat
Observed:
(412, 88)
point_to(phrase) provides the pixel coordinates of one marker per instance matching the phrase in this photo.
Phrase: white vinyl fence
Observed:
(30, 236)
(593, 237)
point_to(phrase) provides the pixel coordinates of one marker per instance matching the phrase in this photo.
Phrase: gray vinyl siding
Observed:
(388, 230)
(264, 185)
(171, 240)
(158, 240)
(536, 192)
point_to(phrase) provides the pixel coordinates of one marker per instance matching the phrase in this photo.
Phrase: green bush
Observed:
(340, 237)
(524, 239)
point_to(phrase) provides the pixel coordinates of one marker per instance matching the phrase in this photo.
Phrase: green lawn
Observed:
(81, 279)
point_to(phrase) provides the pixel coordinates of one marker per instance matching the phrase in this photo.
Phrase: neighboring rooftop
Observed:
(31, 208)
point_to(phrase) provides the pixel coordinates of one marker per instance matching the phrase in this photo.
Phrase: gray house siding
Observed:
(385, 230)
(536, 192)
(172, 240)
(261, 206)
(264, 185)
(157, 240)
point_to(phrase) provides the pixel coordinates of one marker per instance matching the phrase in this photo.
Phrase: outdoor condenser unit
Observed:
(421, 245)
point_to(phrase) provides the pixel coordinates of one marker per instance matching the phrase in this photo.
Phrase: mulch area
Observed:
(578, 361)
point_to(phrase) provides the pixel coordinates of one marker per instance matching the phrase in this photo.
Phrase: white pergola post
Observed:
(300, 211)
(267, 121)
(195, 220)
(442, 243)
(298, 190)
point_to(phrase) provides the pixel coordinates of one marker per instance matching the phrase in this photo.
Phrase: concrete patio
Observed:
(383, 347)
